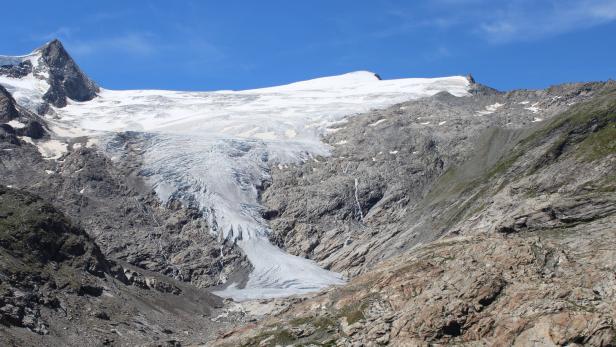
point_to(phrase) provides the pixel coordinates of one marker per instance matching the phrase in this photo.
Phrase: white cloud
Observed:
(501, 21)
(524, 20)
(65, 32)
(135, 44)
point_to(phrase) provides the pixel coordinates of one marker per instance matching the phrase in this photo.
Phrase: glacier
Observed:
(213, 150)
(28, 90)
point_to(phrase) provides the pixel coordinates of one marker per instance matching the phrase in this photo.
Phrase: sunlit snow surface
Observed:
(28, 91)
(213, 149)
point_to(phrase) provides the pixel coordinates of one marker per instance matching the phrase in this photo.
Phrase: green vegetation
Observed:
(38, 240)
(353, 313)
(273, 337)
(323, 326)
(320, 323)
(599, 144)
(590, 125)
(35, 231)
(586, 131)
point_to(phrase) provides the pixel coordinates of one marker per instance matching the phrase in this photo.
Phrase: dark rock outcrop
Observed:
(7, 134)
(33, 236)
(8, 111)
(65, 78)
(33, 129)
(16, 71)
(32, 125)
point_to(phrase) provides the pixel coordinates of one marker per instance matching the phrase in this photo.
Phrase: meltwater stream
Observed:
(213, 149)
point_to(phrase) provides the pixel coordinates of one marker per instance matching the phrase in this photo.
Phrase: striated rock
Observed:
(435, 165)
(505, 242)
(492, 290)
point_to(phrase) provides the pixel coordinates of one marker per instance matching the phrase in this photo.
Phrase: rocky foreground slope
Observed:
(58, 289)
(486, 218)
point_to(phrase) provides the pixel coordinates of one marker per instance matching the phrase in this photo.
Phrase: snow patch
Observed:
(51, 149)
(490, 109)
(333, 130)
(377, 122)
(533, 108)
(92, 142)
(16, 124)
(26, 139)
(28, 91)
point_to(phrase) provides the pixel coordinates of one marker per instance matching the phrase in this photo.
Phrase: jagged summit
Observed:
(470, 78)
(65, 77)
(47, 76)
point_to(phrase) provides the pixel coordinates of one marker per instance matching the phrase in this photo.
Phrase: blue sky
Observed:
(210, 45)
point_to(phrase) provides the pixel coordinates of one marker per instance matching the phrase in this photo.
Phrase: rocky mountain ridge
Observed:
(515, 188)
(52, 66)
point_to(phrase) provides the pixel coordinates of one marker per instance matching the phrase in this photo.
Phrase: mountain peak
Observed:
(65, 77)
(52, 49)
(51, 69)
(53, 44)
(470, 79)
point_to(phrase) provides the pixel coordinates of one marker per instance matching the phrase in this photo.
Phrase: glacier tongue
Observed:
(213, 150)
(278, 274)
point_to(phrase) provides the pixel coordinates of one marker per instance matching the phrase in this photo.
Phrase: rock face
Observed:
(34, 235)
(66, 79)
(553, 289)
(407, 175)
(57, 288)
(112, 202)
(27, 124)
(8, 111)
(526, 253)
